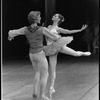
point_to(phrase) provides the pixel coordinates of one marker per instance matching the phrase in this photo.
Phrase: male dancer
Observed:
(34, 35)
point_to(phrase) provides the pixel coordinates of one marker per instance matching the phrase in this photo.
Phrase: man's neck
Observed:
(33, 25)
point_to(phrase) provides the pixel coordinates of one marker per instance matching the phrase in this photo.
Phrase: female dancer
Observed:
(34, 35)
(60, 46)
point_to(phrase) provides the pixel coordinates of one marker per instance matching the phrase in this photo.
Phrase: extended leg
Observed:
(69, 51)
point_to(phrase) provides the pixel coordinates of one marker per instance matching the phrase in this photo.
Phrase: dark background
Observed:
(14, 16)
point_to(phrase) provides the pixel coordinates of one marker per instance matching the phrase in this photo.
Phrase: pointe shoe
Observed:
(52, 90)
(44, 98)
(87, 53)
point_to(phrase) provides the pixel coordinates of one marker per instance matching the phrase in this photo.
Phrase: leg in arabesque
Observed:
(69, 51)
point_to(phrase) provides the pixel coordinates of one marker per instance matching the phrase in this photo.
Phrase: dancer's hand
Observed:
(10, 38)
(84, 27)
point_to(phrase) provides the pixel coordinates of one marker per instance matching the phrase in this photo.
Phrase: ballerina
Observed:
(60, 46)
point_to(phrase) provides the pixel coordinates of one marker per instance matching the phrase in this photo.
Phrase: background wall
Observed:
(77, 13)
(14, 14)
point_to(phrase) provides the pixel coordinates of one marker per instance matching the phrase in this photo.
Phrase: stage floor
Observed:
(77, 79)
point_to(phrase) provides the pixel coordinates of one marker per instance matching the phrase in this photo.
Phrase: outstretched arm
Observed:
(13, 33)
(65, 31)
(47, 33)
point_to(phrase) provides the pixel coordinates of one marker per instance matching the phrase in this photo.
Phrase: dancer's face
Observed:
(55, 18)
(38, 19)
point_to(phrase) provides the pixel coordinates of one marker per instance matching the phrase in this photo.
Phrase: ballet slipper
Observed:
(87, 53)
(44, 98)
(52, 90)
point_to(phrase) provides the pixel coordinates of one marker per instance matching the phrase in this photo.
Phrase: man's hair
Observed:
(33, 16)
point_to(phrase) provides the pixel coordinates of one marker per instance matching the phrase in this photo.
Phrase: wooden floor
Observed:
(77, 79)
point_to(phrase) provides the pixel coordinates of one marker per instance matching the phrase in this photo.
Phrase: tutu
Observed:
(64, 40)
(51, 49)
(55, 47)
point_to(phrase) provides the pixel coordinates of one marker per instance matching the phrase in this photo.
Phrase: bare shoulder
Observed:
(42, 29)
(49, 26)
(58, 29)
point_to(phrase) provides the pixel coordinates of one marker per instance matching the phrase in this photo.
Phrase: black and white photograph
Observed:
(49, 49)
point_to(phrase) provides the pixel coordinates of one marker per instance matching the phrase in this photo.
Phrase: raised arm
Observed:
(14, 33)
(65, 31)
(47, 33)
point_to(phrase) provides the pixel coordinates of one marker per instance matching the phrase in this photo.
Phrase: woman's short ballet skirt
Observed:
(55, 47)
